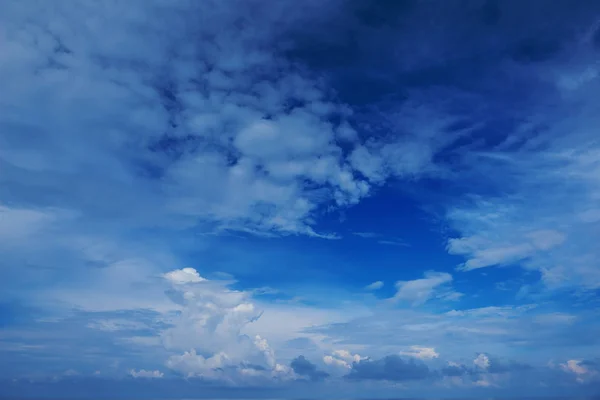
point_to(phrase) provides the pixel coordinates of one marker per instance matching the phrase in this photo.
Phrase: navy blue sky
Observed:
(320, 198)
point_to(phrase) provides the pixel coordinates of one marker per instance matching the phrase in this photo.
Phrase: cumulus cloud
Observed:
(419, 291)
(214, 121)
(142, 373)
(185, 275)
(342, 359)
(304, 367)
(389, 368)
(209, 330)
(482, 361)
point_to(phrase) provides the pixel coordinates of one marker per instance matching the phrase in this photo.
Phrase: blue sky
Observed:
(339, 198)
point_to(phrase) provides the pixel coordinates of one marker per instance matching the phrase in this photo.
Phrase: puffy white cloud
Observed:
(342, 359)
(142, 373)
(185, 275)
(191, 364)
(209, 330)
(420, 352)
(482, 361)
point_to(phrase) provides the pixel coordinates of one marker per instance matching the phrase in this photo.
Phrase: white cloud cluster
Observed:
(179, 128)
(209, 330)
(192, 129)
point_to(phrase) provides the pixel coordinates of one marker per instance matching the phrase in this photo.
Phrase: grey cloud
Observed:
(389, 368)
(498, 366)
(303, 367)
(456, 370)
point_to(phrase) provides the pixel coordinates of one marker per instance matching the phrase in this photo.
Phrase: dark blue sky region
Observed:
(341, 198)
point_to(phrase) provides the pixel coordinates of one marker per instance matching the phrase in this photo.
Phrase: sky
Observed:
(283, 199)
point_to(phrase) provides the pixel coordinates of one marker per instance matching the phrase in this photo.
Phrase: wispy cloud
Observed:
(432, 285)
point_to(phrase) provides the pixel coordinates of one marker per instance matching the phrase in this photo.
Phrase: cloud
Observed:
(497, 366)
(482, 361)
(453, 369)
(538, 184)
(188, 125)
(393, 242)
(420, 352)
(20, 223)
(365, 235)
(209, 329)
(483, 256)
(389, 368)
(374, 286)
(419, 291)
(142, 373)
(342, 359)
(114, 325)
(140, 135)
(303, 367)
(584, 371)
(185, 275)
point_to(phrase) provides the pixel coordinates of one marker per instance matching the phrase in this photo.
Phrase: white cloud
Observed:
(178, 144)
(185, 275)
(374, 286)
(581, 372)
(221, 368)
(574, 367)
(191, 364)
(482, 252)
(482, 361)
(419, 291)
(420, 352)
(209, 330)
(142, 373)
(342, 359)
